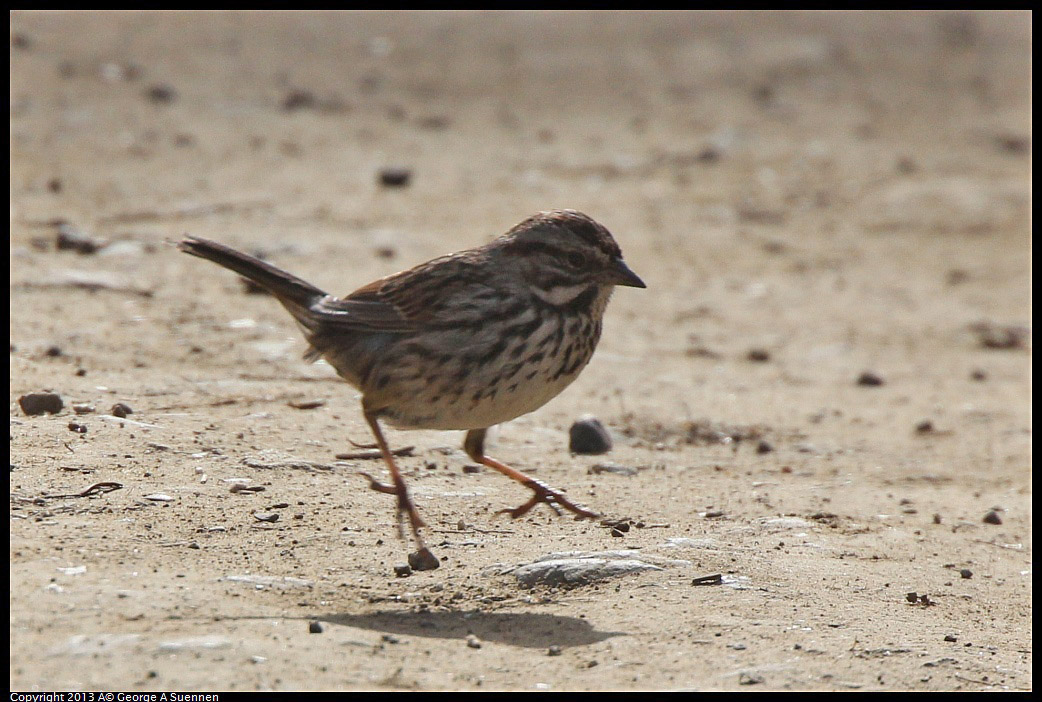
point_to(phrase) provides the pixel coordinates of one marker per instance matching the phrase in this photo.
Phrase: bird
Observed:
(464, 341)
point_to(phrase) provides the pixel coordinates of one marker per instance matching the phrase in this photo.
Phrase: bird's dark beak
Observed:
(620, 274)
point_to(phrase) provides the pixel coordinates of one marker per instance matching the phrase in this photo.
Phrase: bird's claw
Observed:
(551, 498)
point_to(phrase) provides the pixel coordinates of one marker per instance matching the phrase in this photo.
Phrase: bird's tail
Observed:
(296, 295)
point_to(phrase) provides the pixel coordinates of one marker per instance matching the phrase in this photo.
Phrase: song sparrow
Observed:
(464, 341)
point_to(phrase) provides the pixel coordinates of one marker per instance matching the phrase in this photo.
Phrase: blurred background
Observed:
(831, 210)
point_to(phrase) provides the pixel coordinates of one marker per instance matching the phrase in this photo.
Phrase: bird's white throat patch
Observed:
(560, 294)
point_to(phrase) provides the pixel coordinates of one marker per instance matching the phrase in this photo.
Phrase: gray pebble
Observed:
(41, 402)
(588, 436)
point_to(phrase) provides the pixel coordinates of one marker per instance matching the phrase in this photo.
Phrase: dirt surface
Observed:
(821, 395)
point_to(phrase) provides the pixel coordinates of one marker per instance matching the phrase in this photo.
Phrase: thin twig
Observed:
(95, 489)
(370, 455)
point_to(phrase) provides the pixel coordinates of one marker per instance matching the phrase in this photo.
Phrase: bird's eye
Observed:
(576, 259)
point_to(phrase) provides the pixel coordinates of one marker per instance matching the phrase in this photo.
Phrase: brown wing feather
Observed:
(409, 300)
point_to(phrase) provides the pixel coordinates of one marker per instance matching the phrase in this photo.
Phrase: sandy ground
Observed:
(821, 395)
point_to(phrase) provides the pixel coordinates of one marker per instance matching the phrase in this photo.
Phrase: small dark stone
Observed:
(78, 428)
(924, 427)
(992, 517)
(870, 379)
(1000, 336)
(906, 165)
(423, 560)
(403, 570)
(758, 355)
(617, 532)
(951, 638)
(71, 239)
(394, 177)
(763, 94)
(966, 573)
(41, 402)
(53, 351)
(979, 375)
(54, 185)
(912, 597)
(315, 627)
(588, 436)
(306, 404)
(554, 650)
(471, 468)
(21, 40)
(434, 123)
(714, 579)
(267, 516)
(161, 94)
(764, 447)
(121, 410)
(299, 100)
(709, 154)
(1013, 143)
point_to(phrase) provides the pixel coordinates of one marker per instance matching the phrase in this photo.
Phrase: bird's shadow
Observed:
(522, 629)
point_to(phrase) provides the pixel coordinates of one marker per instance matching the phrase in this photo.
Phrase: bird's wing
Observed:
(436, 293)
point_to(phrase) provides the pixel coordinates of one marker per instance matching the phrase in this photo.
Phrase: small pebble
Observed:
(78, 428)
(306, 404)
(951, 637)
(71, 239)
(471, 468)
(588, 436)
(613, 468)
(758, 355)
(394, 177)
(870, 379)
(554, 650)
(992, 517)
(266, 516)
(403, 570)
(966, 573)
(41, 402)
(423, 560)
(82, 409)
(121, 410)
(21, 40)
(299, 100)
(315, 627)
(161, 93)
(473, 641)
(764, 447)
